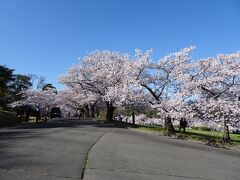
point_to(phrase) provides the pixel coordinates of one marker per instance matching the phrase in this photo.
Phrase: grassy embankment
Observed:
(212, 137)
(7, 118)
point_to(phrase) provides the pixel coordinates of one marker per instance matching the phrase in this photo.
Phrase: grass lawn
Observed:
(209, 137)
(32, 119)
(199, 135)
(159, 129)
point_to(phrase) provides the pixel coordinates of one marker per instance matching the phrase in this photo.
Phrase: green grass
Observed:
(209, 137)
(159, 129)
(32, 120)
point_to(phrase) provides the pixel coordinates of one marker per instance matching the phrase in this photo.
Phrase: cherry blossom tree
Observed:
(215, 88)
(76, 101)
(37, 99)
(104, 74)
(163, 80)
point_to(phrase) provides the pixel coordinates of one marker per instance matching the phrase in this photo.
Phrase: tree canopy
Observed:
(177, 86)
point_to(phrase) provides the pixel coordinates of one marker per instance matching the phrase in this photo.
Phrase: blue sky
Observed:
(46, 37)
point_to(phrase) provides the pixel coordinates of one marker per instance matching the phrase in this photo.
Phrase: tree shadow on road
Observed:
(72, 123)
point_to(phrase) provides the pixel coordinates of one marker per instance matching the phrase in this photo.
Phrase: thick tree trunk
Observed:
(92, 111)
(226, 136)
(37, 116)
(97, 112)
(169, 126)
(87, 114)
(27, 115)
(110, 110)
(133, 118)
(81, 113)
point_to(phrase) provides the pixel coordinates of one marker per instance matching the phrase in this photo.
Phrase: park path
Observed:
(69, 148)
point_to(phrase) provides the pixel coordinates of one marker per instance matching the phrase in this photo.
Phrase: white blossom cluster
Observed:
(37, 99)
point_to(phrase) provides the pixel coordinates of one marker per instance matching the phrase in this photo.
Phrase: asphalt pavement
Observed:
(72, 149)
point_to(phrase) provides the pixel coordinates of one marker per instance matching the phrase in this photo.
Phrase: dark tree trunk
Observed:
(27, 115)
(226, 136)
(87, 114)
(37, 116)
(92, 111)
(20, 114)
(81, 113)
(110, 110)
(97, 112)
(169, 126)
(133, 118)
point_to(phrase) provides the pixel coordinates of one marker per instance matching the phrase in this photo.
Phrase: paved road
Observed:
(59, 149)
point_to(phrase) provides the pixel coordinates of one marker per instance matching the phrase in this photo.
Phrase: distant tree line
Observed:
(12, 86)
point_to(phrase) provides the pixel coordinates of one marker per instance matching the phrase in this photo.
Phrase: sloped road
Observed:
(54, 150)
(134, 156)
(60, 150)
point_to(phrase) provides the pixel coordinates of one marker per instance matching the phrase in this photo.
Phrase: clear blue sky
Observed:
(46, 37)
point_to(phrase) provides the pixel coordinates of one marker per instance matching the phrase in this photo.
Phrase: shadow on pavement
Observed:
(68, 123)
